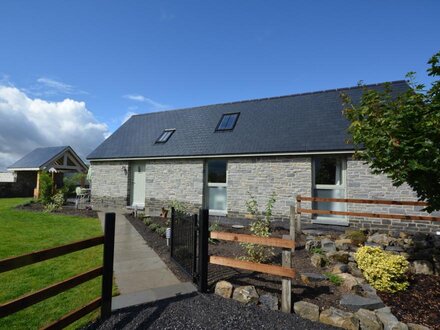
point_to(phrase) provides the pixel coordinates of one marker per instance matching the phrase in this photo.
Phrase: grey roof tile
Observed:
(38, 157)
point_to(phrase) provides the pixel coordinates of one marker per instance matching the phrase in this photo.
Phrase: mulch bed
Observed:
(419, 304)
(66, 210)
(324, 294)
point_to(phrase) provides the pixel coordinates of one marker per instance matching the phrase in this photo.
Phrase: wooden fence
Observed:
(287, 243)
(300, 210)
(106, 270)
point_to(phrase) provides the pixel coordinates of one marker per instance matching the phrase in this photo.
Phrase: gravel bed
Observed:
(203, 311)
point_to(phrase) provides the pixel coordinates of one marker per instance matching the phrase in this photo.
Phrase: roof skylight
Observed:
(165, 136)
(227, 122)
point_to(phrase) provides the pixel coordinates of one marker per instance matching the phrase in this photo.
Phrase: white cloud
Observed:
(48, 87)
(27, 123)
(154, 105)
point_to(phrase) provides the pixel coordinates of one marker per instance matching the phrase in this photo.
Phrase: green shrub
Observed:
(56, 202)
(161, 231)
(334, 278)
(46, 185)
(153, 226)
(147, 221)
(384, 271)
(317, 250)
(71, 182)
(179, 207)
(260, 226)
(357, 236)
(213, 227)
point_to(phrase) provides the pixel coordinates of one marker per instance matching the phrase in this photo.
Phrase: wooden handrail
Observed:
(30, 299)
(243, 238)
(359, 201)
(371, 215)
(37, 256)
(253, 266)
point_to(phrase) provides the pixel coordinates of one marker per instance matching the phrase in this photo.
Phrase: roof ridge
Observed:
(276, 97)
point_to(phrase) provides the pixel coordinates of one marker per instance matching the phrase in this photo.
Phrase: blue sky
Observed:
(123, 57)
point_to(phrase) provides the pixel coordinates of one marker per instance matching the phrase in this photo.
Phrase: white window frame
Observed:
(217, 185)
(322, 219)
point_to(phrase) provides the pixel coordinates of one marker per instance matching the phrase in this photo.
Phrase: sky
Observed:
(71, 72)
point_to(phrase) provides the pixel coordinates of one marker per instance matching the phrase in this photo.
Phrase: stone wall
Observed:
(286, 176)
(109, 185)
(168, 180)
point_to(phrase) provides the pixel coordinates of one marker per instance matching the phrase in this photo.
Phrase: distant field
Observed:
(23, 232)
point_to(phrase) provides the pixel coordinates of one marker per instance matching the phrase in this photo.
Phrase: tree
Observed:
(399, 136)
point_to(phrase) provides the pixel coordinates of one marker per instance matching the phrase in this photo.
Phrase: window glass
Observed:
(166, 134)
(227, 122)
(328, 170)
(217, 171)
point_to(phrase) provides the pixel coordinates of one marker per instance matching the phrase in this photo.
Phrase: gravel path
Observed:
(203, 311)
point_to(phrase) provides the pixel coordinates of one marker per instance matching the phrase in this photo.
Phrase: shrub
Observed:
(71, 182)
(357, 236)
(46, 185)
(384, 271)
(179, 207)
(56, 202)
(153, 226)
(317, 250)
(213, 227)
(161, 231)
(334, 278)
(259, 227)
(147, 221)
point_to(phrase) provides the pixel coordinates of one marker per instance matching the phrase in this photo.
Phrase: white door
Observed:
(138, 184)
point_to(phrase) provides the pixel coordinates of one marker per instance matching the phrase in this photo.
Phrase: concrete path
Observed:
(140, 274)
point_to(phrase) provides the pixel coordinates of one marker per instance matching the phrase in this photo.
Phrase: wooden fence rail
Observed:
(300, 210)
(106, 271)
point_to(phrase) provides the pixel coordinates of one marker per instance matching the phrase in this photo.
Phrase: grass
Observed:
(334, 278)
(23, 232)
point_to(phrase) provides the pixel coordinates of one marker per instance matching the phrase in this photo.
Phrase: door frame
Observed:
(132, 174)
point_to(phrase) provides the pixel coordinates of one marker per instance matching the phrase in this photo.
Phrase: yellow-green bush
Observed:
(383, 270)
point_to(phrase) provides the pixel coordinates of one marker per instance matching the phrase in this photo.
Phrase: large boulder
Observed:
(381, 239)
(269, 301)
(350, 282)
(368, 320)
(413, 326)
(339, 318)
(389, 321)
(422, 267)
(246, 294)
(224, 289)
(306, 310)
(355, 302)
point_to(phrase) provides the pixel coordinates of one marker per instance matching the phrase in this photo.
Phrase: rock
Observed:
(343, 244)
(246, 294)
(368, 290)
(368, 320)
(403, 235)
(395, 249)
(381, 239)
(349, 282)
(372, 244)
(422, 267)
(338, 318)
(317, 260)
(354, 270)
(269, 301)
(355, 302)
(339, 256)
(313, 244)
(224, 289)
(312, 278)
(313, 232)
(413, 326)
(339, 269)
(389, 321)
(327, 245)
(306, 310)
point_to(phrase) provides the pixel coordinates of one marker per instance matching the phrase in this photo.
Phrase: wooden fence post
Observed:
(286, 283)
(298, 214)
(107, 273)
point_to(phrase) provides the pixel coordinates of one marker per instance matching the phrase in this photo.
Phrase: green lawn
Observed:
(23, 232)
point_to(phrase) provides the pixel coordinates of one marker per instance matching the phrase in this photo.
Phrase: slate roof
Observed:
(38, 157)
(308, 122)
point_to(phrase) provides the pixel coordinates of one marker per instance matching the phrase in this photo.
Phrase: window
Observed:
(165, 136)
(217, 186)
(329, 182)
(227, 122)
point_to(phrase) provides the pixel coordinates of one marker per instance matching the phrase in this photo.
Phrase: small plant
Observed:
(317, 250)
(213, 227)
(179, 207)
(260, 226)
(56, 202)
(161, 231)
(147, 221)
(357, 236)
(384, 271)
(334, 278)
(153, 226)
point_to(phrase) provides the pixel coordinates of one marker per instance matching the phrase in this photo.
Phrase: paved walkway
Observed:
(141, 276)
